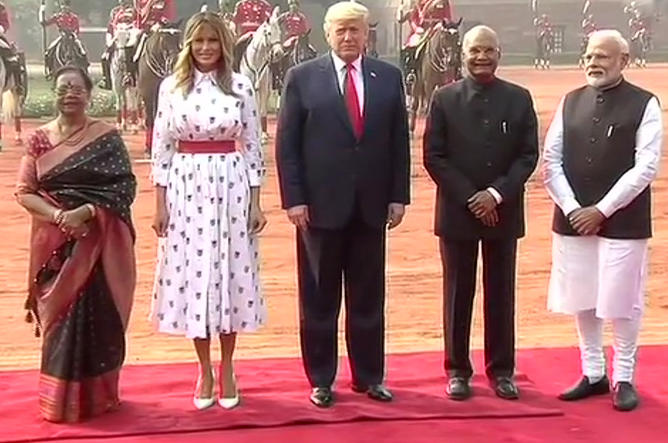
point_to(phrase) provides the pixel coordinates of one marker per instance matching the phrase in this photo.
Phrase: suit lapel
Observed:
(331, 79)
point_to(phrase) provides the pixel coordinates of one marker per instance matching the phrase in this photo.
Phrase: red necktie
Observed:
(352, 102)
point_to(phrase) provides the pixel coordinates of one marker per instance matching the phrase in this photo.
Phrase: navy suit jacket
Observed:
(320, 161)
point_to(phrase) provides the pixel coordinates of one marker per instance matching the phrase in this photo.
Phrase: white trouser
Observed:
(625, 338)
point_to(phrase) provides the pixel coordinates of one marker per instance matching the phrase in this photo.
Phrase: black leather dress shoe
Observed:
(322, 397)
(625, 397)
(584, 389)
(458, 388)
(504, 387)
(374, 392)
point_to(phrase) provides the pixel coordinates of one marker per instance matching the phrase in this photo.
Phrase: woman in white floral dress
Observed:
(207, 168)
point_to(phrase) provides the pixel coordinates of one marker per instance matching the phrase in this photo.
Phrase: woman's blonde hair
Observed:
(184, 70)
(345, 10)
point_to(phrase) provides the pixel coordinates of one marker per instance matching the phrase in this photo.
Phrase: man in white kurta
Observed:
(602, 151)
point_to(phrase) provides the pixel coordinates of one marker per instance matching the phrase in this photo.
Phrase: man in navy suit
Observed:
(343, 163)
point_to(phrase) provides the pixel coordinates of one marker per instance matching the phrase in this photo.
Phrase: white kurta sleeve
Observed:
(555, 179)
(164, 142)
(649, 138)
(250, 136)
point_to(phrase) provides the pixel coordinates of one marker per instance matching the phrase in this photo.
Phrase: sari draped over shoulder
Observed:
(81, 289)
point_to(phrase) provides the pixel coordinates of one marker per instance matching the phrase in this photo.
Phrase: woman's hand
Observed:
(161, 218)
(74, 220)
(256, 220)
(160, 221)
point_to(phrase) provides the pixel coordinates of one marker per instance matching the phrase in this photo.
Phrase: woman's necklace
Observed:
(70, 139)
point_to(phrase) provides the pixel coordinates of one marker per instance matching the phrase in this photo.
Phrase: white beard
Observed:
(601, 82)
(596, 82)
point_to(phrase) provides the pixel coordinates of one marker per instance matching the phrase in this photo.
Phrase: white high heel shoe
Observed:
(230, 402)
(204, 403)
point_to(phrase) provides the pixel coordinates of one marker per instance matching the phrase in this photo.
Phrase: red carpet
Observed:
(157, 400)
(275, 396)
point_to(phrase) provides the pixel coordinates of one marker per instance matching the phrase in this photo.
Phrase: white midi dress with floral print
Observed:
(207, 277)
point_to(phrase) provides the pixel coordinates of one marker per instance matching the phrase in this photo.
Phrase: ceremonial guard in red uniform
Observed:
(544, 41)
(294, 24)
(66, 19)
(151, 14)
(122, 16)
(67, 22)
(249, 15)
(543, 26)
(433, 11)
(637, 26)
(588, 25)
(424, 15)
(640, 38)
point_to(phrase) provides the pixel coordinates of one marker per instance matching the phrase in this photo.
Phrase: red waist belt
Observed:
(207, 147)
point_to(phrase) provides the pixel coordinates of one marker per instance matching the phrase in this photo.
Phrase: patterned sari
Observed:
(81, 288)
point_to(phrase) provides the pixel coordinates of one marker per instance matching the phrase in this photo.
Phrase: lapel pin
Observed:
(373, 74)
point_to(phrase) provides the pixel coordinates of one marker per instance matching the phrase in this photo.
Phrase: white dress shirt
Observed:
(630, 184)
(358, 78)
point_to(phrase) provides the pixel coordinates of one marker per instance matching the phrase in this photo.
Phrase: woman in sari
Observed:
(76, 182)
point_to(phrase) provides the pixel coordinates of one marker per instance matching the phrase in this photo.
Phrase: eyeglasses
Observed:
(65, 89)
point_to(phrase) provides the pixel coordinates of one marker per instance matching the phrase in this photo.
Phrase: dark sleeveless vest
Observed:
(598, 148)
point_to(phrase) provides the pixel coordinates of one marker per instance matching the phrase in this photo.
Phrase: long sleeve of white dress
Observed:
(250, 132)
(164, 141)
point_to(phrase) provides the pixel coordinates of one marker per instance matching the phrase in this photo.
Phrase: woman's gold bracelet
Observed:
(58, 216)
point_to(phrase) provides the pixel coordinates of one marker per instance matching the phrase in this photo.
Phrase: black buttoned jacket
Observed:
(480, 136)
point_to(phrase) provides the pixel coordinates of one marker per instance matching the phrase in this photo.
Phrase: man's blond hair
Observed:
(345, 10)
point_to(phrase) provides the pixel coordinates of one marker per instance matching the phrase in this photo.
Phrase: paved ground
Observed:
(414, 274)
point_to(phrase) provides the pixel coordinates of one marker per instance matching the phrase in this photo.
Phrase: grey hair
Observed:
(345, 10)
(613, 35)
(480, 29)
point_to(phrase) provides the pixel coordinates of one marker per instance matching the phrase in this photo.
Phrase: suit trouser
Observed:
(459, 259)
(355, 253)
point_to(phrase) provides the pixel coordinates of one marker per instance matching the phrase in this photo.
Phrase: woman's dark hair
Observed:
(88, 83)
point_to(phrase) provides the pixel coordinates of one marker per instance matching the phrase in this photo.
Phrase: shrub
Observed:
(43, 105)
